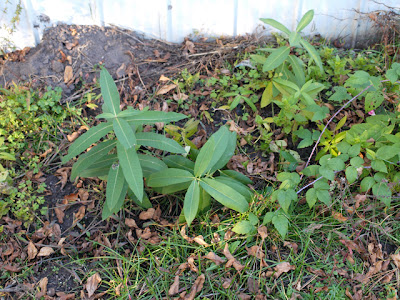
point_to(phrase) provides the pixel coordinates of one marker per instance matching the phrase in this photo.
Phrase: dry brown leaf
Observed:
(263, 232)
(144, 234)
(80, 214)
(68, 74)
(163, 78)
(11, 268)
(165, 89)
(180, 97)
(45, 251)
(214, 258)
(131, 223)
(71, 198)
(338, 216)
(228, 235)
(231, 260)
(200, 240)
(256, 251)
(92, 284)
(283, 267)
(174, 289)
(83, 195)
(43, 288)
(189, 46)
(148, 214)
(32, 251)
(227, 283)
(292, 245)
(192, 266)
(196, 288)
(252, 285)
(73, 136)
(396, 259)
(59, 214)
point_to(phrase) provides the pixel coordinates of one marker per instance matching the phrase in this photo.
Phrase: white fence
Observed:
(172, 20)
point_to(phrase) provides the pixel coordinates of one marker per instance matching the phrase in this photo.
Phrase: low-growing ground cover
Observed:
(298, 143)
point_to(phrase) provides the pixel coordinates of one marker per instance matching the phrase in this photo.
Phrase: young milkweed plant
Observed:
(200, 180)
(119, 158)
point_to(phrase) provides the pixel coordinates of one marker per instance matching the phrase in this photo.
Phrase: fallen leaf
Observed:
(231, 260)
(146, 215)
(131, 223)
(165, 89)
(292, 245)
(92, 284)
(227, 283)
(68, 74)
(163, 78)
(283, 267)
(143, 234)
(256, 251)
(338, 216)
(263, 232)
(45, 251)
(252, 285)
(59, 214)
(396, 259)
(197, 287)
(80, 214)
(43, 288)
(214, 258)
(32, 251)
(200, 240)
(71, 198)
(11, 268)
(192, 266)
(174, 289)
(243, 296)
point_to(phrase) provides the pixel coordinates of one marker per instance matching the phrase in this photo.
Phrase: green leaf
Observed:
(373, 100)
(152, 117)
(351, 174)
(281, 224)
(169, 177)
(354, 150)
(313, 53)
(277, 25)
(99, 168)
(237, 176)
(117, 205)
(228, 152)
(285, 198)
(294, 39)
(311, 197)
(298, 69)
(89, 158)
(259, 59)
(268, 217)
(324, 196)
(387, 152)
(305, 20)
(130, 164)
(145, 203)
(212, 151)
(287, 83)
(224, 194)
(124, 133)
(327, 172)
(253, 219)
(192, 201)
(86, 140)
(109, 92)
(335, 164)
(170, 189)
(392, 75)
(367, 183)
(379, 165)
(115, 184)
(105, 116)
(356, 161)
(276, 58)
(382, 192)
(179, 162)
(237, 186)
(159, 141)
(150, 164)
(340, 94)
(243, 227)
